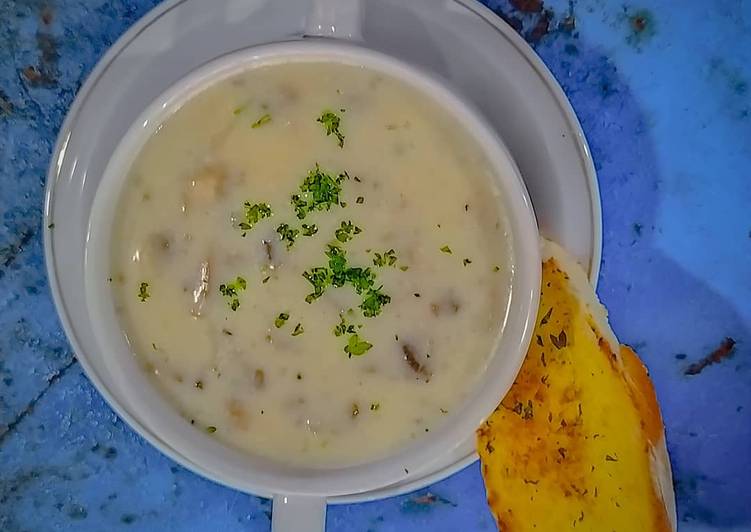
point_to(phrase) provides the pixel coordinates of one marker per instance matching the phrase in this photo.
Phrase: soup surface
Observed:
(311, 263)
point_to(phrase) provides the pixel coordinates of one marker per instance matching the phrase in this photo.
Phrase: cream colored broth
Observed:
(301, 398)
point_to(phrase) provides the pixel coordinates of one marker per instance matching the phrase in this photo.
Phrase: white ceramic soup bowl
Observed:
(300, 492)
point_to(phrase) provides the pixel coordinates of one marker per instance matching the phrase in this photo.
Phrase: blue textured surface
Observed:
(663, 91)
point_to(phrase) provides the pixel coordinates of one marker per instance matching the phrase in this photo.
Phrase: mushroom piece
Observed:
(269, 249)
(449, 305)
(411, 359)
(238, 414)
(268, 256)
(259, 378)
(201, 290)
(205, 187)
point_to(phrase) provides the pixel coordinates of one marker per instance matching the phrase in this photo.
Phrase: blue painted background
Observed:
(663, 91)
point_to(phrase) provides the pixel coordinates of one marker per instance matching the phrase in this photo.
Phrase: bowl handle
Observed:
(298, 513)
(335, 18)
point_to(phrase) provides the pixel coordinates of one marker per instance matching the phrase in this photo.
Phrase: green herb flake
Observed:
(496, 268)
(298, 330)
(287, 234)
(404, 268)
(254, 213)
(143, 292)
(281, 319)
(320, 278)
(340, 273)
(388, 258)
(373, 303)
(238, 110)
(356, 347)
(266, 279)
(265, 119)
(337, 264)
(466, 262)
(346, 231)
(309, 230)
(361, 279)
(211, 429)
(375, 406)
(360, 200)
(51, 226)
(319, 191)
(231, 292)
(446, 249)
(331, 122)
(343, 327)
(198, 384)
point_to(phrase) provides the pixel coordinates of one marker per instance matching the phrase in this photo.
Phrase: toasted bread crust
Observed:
(578, 442)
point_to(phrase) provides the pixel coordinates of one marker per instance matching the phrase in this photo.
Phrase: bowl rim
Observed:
(380, 473)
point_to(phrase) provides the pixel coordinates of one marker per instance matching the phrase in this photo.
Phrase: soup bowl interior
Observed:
(132, 390)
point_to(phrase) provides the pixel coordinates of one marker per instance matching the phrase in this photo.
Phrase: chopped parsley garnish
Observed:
(143, 292)
(404, 268)
(339, 273)
(287, 234)
(281, 319)
(446, 249)
(344, 327)
(388, 258)
(253, 214)
(346, 231)
(198, 384)
(356, 347)
(238, 110)
(360, 200)
(298, 330)
(320, 278)
(361, 279)
(466, 262)
(211, 429)
(231, 291)
(319, 191)
(309, 230)
(373, 303)
(331, 122)
(337, 264)
(375, 406)
(265, 119)
(496, 268)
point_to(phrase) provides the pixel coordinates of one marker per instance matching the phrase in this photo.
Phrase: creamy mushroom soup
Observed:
(311, 263)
